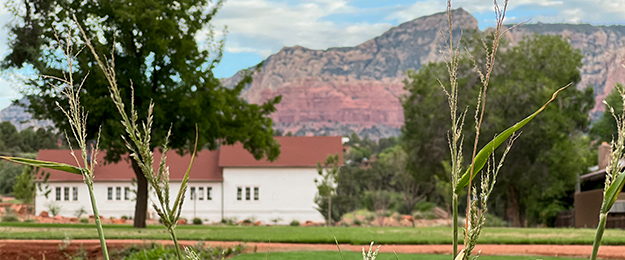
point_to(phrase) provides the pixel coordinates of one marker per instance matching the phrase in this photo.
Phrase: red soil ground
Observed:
(49, 249)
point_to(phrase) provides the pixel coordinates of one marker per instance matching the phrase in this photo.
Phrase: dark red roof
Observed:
(205, 166)
(297, 151)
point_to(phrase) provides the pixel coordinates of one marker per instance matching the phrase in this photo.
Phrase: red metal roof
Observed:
(300, 151)
(295, 152)
(205, 166)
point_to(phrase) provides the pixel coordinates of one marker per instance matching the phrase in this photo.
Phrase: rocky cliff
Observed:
(21, 119)
(340, 90)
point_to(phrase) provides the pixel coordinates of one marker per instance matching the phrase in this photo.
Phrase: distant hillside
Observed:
(340, 90)
(21, 119)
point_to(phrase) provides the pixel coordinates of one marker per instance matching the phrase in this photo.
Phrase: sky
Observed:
(259, 28)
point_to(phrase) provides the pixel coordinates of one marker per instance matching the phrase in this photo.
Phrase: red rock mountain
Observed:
(341, 90)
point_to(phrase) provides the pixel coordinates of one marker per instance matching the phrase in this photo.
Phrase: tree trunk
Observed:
(330, 210)
(141, 204)
(515, 213)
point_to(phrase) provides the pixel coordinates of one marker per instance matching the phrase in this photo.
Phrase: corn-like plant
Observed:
(138, 143)
(614, 177)
(77, 117)
(475, 211)
(370, 255)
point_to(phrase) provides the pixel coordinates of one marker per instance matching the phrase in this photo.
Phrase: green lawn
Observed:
(351, 235)
(315, 255)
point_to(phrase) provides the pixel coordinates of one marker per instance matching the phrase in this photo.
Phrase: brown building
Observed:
(589, 196)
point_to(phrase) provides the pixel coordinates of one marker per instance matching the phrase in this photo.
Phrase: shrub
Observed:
(294, 223)
(158, 251)
(10, 218)
(357, 222)
(28, 220)
(84, 220)
(124, 217)
(424, 206)
(197, 221)
(494, 221)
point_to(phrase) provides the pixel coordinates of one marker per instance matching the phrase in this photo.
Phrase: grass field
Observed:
(351, 235)
(383, 256)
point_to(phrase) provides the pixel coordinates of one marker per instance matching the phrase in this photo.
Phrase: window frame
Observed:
(200, 193)
(118, 193)
(66, 194)
(239, 193)
(248, 193)
(256, 193)
(208, 193)
(57, 194)
(126, 193)
(109, 193)
(74, 193)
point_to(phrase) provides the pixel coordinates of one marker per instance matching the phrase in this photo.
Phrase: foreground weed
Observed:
(614, 177)
(476, 202)
(138, 142)
(77, 118)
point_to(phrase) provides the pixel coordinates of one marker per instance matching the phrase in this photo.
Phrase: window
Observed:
(200, 192)
(75, 193)
(239, 193)
(192, 197)
(126, 193)
(109, 194)
(66, 194)
(247, 193)
(118, 193)
(58, 193)
(256, 193)
(208, 193)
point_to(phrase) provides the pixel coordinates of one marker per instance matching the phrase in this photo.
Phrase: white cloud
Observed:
(261, 25)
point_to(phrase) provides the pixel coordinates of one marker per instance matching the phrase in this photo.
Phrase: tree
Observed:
(543, 164)
(604, 129)
(24, 188)
(395, 159)
(327, 184)
(157, 53)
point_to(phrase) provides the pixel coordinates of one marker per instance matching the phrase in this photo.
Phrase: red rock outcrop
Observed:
(340, 90)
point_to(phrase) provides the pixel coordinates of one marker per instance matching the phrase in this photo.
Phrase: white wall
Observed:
(205, 209)
(286, 193)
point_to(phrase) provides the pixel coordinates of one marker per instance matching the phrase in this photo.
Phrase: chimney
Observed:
(604, 155)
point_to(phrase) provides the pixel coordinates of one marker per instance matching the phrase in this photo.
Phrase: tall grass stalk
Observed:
(455, 138)
(476, 202)
(614, 177)
(77, 117)
(138, 142)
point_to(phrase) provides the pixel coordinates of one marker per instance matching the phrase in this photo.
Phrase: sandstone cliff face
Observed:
(21, 119)
(603, 48)
(340, 90)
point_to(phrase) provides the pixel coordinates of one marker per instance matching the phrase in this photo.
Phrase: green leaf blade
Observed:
(45, 164)
(482, 157)
(612, 193)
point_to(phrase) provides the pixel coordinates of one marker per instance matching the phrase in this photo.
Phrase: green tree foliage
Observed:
(539, 174)
(24, 187)
(26, 141)
(8, 174)
(604, 129)
(157, 53)
(326, 185)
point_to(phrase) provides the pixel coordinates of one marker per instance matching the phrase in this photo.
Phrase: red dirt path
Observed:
(49, 249)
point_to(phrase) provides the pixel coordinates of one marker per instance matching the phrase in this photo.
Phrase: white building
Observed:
(228, 183)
